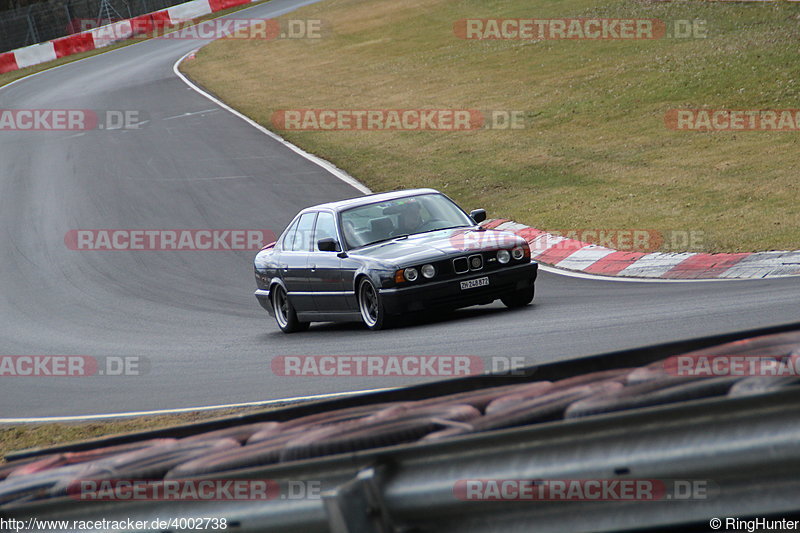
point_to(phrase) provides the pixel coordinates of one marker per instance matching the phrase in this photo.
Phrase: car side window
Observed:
(302, 237)
(288, 236)
(325, 228)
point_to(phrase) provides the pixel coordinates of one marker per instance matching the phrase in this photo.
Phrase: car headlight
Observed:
(503, 256)
(518, 253)
(428, 271)
(411, 274)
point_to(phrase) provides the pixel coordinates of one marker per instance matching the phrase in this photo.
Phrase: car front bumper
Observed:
(449, 294)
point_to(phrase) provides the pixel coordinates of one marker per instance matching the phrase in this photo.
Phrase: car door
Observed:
(294, 263)
(324, 272)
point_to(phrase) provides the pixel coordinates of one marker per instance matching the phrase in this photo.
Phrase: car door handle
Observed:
(285, 268)
(313, 268)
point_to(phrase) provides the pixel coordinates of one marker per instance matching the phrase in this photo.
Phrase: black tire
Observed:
(518, 299)
(285, 315)
(371, 307)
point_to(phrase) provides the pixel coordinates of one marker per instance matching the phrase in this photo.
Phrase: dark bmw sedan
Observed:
(376, 257)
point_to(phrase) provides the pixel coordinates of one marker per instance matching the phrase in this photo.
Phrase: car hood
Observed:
(438, 245)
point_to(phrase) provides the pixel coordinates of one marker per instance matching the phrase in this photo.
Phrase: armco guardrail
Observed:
(743, 449)
(691, 458)
(111, 33)
(550, 371)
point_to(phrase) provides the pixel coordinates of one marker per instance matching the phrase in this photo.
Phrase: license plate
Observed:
(471, 284)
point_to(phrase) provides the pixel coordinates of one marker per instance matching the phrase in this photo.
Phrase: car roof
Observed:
(370, 199)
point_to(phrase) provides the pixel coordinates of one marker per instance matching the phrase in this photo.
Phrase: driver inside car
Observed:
(410, 219)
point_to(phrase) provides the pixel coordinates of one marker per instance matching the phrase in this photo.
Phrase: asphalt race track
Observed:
(192, 315)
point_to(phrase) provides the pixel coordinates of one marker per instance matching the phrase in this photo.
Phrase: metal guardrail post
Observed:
(357, 506)
(33, 36)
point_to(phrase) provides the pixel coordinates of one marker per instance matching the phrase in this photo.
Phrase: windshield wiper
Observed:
(403, 236)
(440, 229)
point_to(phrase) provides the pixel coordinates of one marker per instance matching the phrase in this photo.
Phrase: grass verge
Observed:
(595, 153)
(24, 436)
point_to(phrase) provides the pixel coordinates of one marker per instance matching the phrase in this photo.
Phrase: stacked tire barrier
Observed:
(370, 426)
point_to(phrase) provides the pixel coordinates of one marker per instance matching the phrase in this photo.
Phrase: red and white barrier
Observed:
(578, 256)
(190, 10)
(111, 33)
(35, 54)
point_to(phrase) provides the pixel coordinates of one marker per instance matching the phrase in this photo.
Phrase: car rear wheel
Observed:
(369, 303)
(285, 315)
(518, 299)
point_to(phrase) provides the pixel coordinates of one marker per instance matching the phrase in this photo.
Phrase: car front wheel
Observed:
(518, 299)
(369, 303)
(285, 315)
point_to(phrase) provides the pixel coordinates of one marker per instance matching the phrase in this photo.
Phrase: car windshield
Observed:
(381, 221)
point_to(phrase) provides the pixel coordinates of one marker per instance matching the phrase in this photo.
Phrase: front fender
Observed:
(380, 277)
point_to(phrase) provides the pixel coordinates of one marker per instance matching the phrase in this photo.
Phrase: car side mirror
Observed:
(478, 215)
(328, 244)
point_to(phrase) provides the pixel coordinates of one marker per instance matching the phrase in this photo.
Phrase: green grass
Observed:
(24, 436)
(596, 153)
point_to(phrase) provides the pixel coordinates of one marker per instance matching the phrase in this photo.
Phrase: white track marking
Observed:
(192, 114)
(327, 165)
(265, 403)
(596, 277)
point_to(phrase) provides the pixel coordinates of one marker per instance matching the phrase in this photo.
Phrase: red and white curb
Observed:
(112, 33)
(577, 256)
